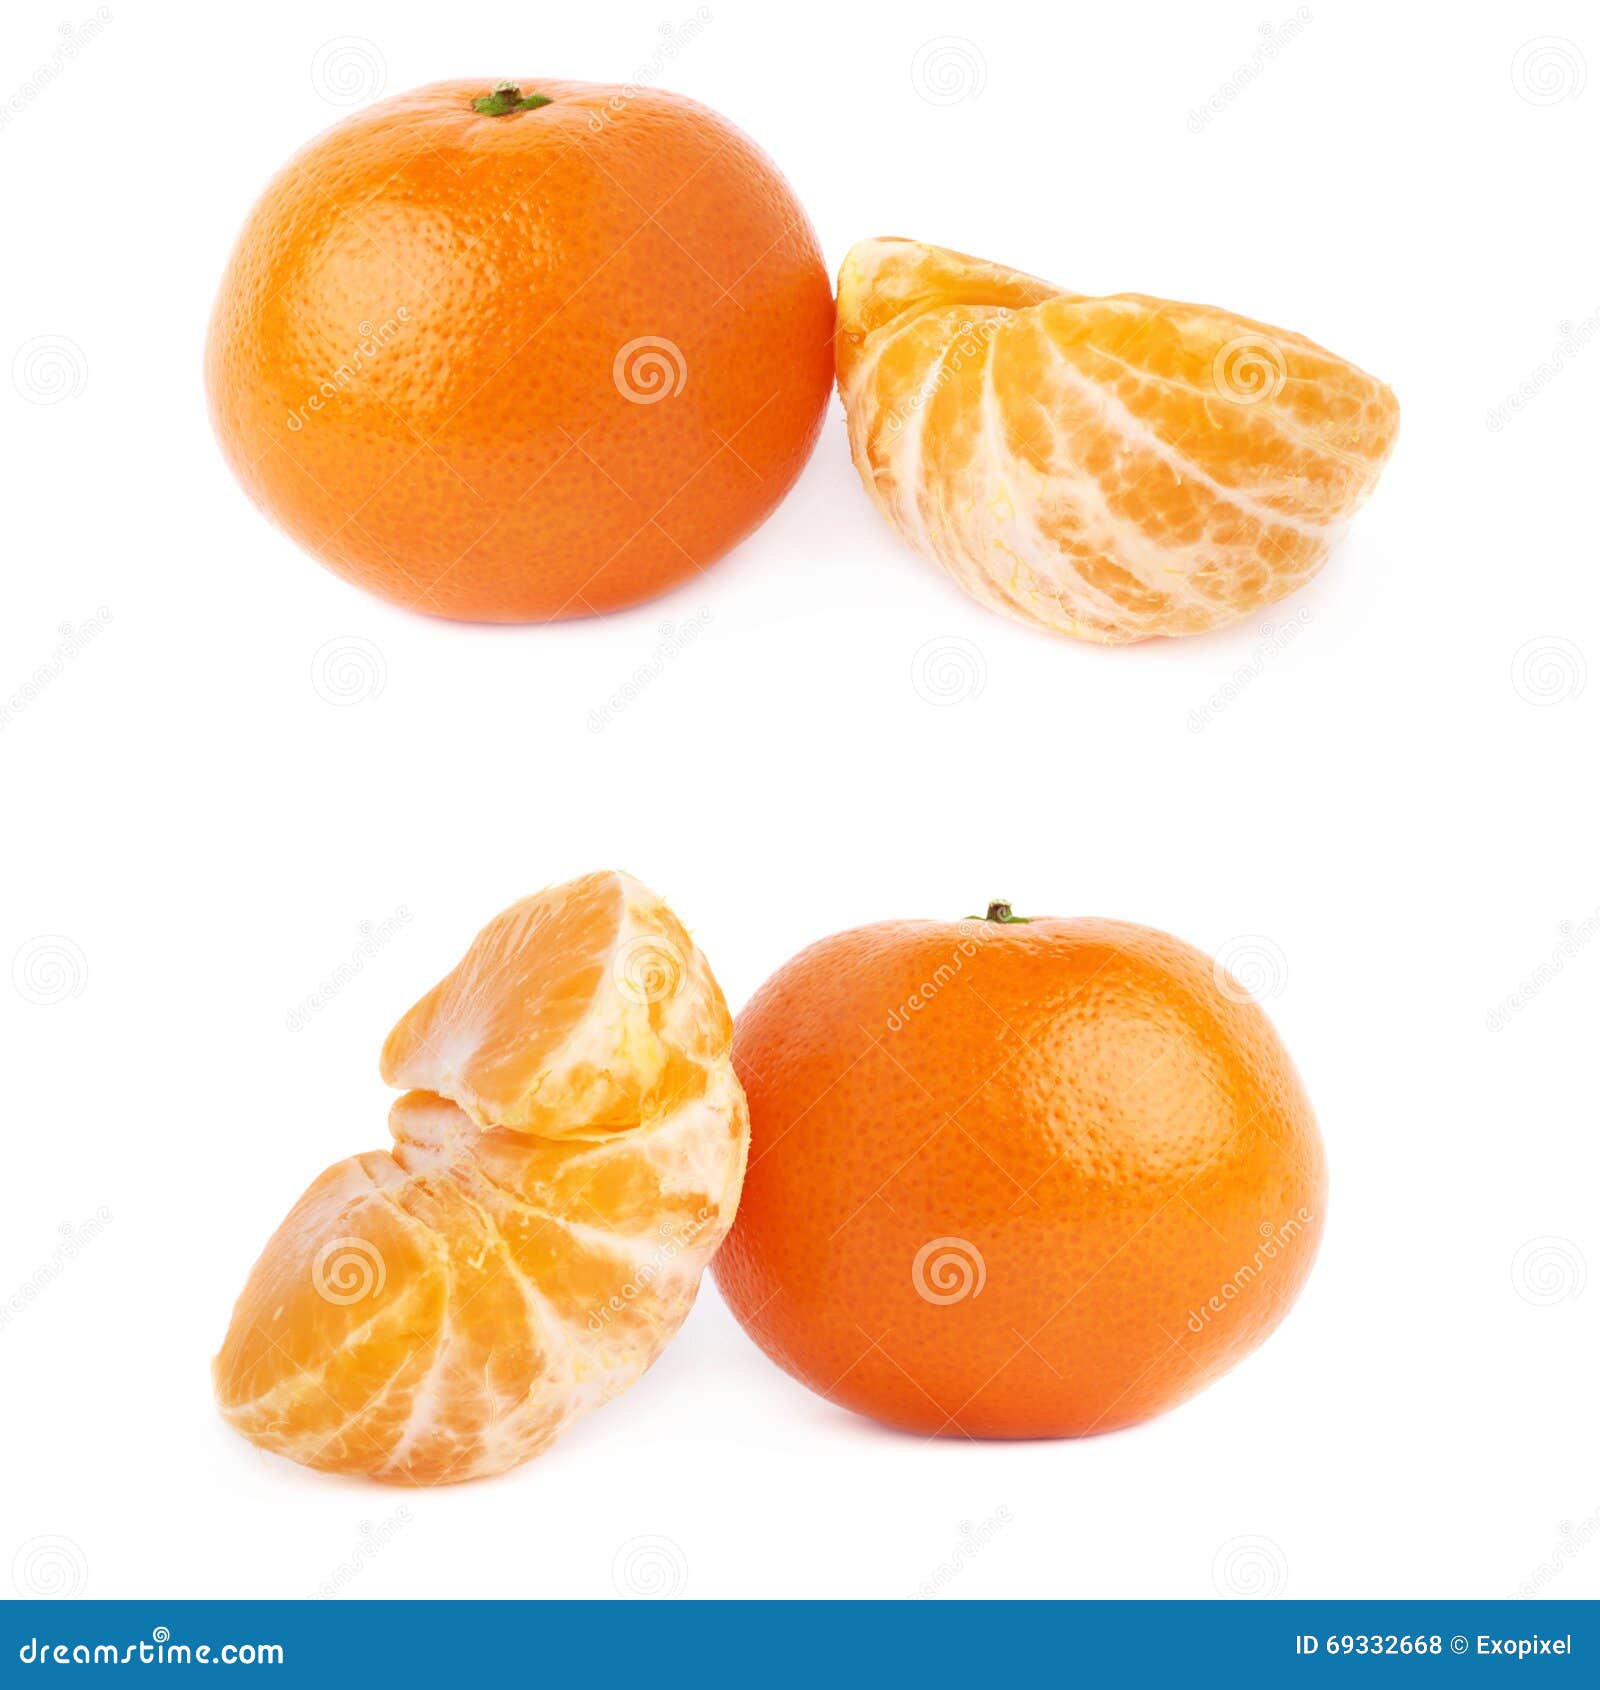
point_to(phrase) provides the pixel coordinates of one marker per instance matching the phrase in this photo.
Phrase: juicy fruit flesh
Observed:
(442, 1310)
(998, 1175)
(1111, 468)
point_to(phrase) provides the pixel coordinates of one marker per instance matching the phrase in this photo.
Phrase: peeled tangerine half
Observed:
(1110, 468)
(567, 1157)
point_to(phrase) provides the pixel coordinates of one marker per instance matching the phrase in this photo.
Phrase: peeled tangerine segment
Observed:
(565, 1162)
(1110, 468)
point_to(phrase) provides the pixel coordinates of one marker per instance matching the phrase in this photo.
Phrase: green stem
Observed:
(508, 97)
(1000, 911)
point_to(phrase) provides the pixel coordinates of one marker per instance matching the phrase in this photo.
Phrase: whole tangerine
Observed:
(1015, 1178)
(522, 351)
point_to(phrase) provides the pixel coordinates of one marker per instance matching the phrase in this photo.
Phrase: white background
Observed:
(1389, 818)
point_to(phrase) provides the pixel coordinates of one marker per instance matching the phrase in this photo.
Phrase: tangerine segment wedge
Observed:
(442, 1310)
(1110, 468)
